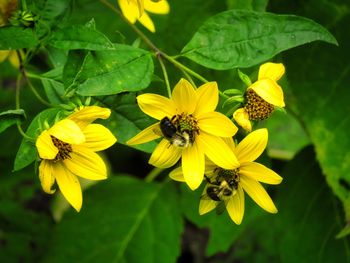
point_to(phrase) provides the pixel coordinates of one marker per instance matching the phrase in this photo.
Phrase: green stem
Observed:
(166, 79)
(153, 174)
(188, 77)
(35, 92)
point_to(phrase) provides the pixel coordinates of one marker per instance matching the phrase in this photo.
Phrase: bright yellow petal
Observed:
(177, 175)
(165, 155)
(130, 10)
(229, 141)
(98, 137)
(156, 106)
(67, 131)
(147, 22)
(206, 204)
(85, 163)
(218, 151)
(208, 98)
(46, 176)
(193, 165)
(69, 186)
(252, 146)
(3, 55)
(272, 71)
(149, 134)
(184, 97)
(13, 58)
(260, 173)
(46, 148)
(217, 124)
(161, 7)
(270, 91)
(255, 190)
(235, 206)
(140, 6)
(88, 114)
(241, 116)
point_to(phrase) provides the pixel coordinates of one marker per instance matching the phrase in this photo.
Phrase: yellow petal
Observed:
(260, 173)
(218, 151)
(129, 9)
(193, 165)
(270, 91)
(67, 131)
(217, 124)
(69, 186)
(258, 194)
(184, 97)
(46, 176)
(156, 106)
(165, 155)
(85, 163)
(229, 141)
(208, 98)
(46, 148)
(147, 22)
(98, 137)
(210, 168)
(13, 58)
(88, 114)
(272, 71)
(177, 175)
(241, 116)
(252, 146)
(140, 6)
(206, 204)
(149, 134)
(161, 7)
(235, 206)
(3, 55)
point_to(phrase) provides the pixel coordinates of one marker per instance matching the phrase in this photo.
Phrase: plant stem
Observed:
(153, 174)
(166, 79)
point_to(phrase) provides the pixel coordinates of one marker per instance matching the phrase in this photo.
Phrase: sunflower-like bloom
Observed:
(191, 129)
(262, 96)
(227, 186)
(67, 150)
(134, 10)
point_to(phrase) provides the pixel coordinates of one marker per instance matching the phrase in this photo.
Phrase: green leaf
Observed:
(239, 38)
(16, 38)
(255, 5)
(54, 90)
(72, 67)
(27, 152)
(80, 37)
(11, 117)
(134, 220)
(52, 12)
(114, 71)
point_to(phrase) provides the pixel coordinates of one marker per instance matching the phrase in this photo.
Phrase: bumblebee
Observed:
(173, 135)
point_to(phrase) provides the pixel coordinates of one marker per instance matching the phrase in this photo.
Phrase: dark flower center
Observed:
(64, 149)
(257, 107)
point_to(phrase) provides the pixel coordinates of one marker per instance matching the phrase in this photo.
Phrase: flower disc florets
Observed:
(64, 149)
(257, 107)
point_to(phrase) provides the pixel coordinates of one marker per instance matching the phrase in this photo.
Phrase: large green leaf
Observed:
(255, 5)
(114, 71)
(241, 38)
(123, 220)
(17, 37)
(10, 117)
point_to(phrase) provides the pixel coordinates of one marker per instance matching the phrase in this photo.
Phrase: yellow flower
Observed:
(11, 55)
(191, 129)
(67, 150)
(262, 96)
(134, 10)
(227, 186)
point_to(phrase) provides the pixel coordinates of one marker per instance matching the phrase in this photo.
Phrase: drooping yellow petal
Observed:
(235, 206)
(156, 106)
(217, 124)
(13, 58)
(98, 137)
(88, 114)
(147, 22)
(208, 98)
(252, 146)
(165, 155)
(270, 91)
(206, 204)
(193, 165)
(272, 71)
(130, 10)
(184, 97)
(260, 173)
(46, 148)
(4, 54)
(67, 131)
(218, 151)
(46, 176)
(69, 185)
(160, 7)
(255, 190)
(241, 116)
(85, 163)
(149, 134)
(177, 175)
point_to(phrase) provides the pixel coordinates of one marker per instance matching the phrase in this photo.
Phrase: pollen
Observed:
(64, 149)
(257, 107)
(186, 124)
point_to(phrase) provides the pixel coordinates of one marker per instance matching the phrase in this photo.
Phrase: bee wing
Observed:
(157, 131)
(220, 207)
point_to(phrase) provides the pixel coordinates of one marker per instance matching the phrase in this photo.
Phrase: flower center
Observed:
(64, 149)
(257, 107)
